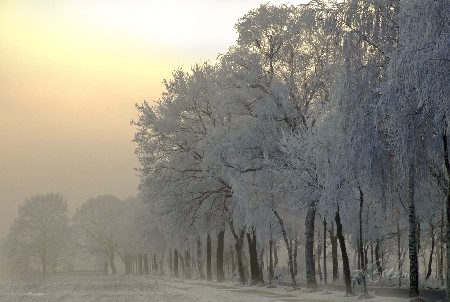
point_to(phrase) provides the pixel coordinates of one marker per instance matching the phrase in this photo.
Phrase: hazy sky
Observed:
(70, 74)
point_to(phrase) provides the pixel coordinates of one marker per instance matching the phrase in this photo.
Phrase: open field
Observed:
(101, 288)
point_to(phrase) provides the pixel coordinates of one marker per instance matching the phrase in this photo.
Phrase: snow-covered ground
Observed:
(100, 288)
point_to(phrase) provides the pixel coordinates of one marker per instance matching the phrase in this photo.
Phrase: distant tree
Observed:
(96, 228)
(40, 231)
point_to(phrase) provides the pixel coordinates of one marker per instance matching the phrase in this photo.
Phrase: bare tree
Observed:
(96, 228)
(41, 230)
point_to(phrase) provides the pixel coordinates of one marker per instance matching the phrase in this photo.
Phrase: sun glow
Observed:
(71, 72)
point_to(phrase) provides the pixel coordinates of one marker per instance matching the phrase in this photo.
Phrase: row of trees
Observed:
(103, 227)
(332, 112)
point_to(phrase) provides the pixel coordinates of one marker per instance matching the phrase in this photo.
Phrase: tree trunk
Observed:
(275, 254)
(431, 253)
(201, 273)
(219, 258)
(413, 254)
(311, 281)
(319, 254)
(447, 205)
(112, 265)
(254, 271)
(146, 268)
(399, 255)
(371, 260)
(155, 264)
(261, 265)
(362, 253)
(271, 272)
(239, 245)
(295, 251)
(187, 264)
(140, 264)
(334, 255)
(345, 263)
(325, 278)
(181, 262)
(418, 231)
(170, 262)
(289, 248)
(175, 263)
(208, 259)
(441, 250)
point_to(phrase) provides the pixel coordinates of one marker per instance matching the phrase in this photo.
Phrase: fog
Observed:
(71, 74)
(197, 150)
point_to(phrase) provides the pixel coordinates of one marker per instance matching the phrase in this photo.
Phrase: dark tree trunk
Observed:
(275, 255)
(447, 206)
(175, 263)
(146, 268)
(219, 258)
(362, 253)
(170, 262)
(413, 253)
(271, 272)
(187, 264)
(239, 245)
(441, 250)
(254, 270)
(201, 273)
(431, 253)
(334, 255)
(155, 264)
(208, 259)
(140, 267)
(345, 262)
(311, 281)
(325, 279)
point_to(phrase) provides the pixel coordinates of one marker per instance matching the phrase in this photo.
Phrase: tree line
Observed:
(105, 228)
(325, 123)
(320, 136)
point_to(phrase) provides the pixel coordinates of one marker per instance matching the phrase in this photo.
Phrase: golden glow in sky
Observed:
(70, 74)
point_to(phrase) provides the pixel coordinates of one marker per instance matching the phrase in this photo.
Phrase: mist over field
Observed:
(235, 151)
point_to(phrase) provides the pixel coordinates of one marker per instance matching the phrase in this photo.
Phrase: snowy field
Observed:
(100, 288)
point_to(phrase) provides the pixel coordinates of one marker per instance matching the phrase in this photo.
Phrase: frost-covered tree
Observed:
(40, 231)
(178, 170)
(336, 108)
(416, 101)
(276, 75)
(352, 156)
